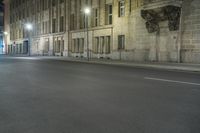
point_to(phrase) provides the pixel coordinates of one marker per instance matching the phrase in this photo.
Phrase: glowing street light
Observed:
(29, 26)
(5, 33)
(87, 11)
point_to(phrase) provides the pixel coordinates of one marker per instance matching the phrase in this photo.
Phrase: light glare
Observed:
(87, 11)
(29, 26)
(5, 33)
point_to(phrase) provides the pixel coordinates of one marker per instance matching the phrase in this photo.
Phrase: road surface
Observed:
(49, 96)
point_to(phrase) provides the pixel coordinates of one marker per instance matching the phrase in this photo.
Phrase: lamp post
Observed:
(87, 13)
(1, 43)
(5, 40)
(29, 28)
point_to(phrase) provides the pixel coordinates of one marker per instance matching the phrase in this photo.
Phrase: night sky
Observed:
(1, 10)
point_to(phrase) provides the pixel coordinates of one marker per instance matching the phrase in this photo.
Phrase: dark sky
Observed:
(1, 6)
(1, 10)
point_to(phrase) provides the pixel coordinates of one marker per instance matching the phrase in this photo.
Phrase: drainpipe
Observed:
(180, 34)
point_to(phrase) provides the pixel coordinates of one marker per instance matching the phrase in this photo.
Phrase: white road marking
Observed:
(172, 81)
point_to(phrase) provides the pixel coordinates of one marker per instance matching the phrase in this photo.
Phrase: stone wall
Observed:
(159, 45)
(190, 41)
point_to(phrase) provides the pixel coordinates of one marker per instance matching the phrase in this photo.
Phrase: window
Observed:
(81, 45)
(121, 8)
(82, 21)
(43, 27)
(121, 42)
(78, 45)
(39, 29)
(17, 48)
(72, 25)
(47, 26)
(87, 2)
(109, 14)
(107, 45)
(38, 6)
(20, 49)
(102, 45)
(46, 46)
(53, 2)
(43, 4)
(96, 17)
(54, 26)
(62, 44)
(96, 46)
(61, 1)
(58, 46)
(55, 45)
(61, 23)
(73, 45)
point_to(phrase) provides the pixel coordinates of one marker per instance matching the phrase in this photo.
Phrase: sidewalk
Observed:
(156, 65)
(167, 66)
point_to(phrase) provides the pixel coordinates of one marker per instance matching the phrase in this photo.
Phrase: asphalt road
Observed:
(49, 96)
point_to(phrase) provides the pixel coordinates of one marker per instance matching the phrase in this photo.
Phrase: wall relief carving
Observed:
(167, 13)
(173, 15)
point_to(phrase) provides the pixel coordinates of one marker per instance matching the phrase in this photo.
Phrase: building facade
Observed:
(2, 46)
(135, 30)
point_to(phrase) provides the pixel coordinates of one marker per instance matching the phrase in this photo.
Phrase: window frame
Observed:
(121, 8)
(121, 42)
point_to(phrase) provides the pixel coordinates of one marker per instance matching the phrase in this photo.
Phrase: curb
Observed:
(161, 67)
(186, 68)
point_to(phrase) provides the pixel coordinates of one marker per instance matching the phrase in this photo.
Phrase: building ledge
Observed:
(161, 4)
(93, 28)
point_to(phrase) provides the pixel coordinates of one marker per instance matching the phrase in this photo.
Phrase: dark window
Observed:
(54, 2)
(61, 23)
(54, 26)
(72, 25)
(121, 42)
(61, 1)
(109, 14)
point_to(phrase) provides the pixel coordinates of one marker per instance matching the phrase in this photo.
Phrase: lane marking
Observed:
(172, 81)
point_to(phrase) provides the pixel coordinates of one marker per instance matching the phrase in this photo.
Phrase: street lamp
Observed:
(29, 28)
(5, 33)
(5, 41)
(87, 13)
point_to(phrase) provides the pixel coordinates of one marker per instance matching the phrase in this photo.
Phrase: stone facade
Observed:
(190, 40)
(135, 30)
(1, 28)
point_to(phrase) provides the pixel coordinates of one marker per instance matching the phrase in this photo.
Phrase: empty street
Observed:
(52, 96)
